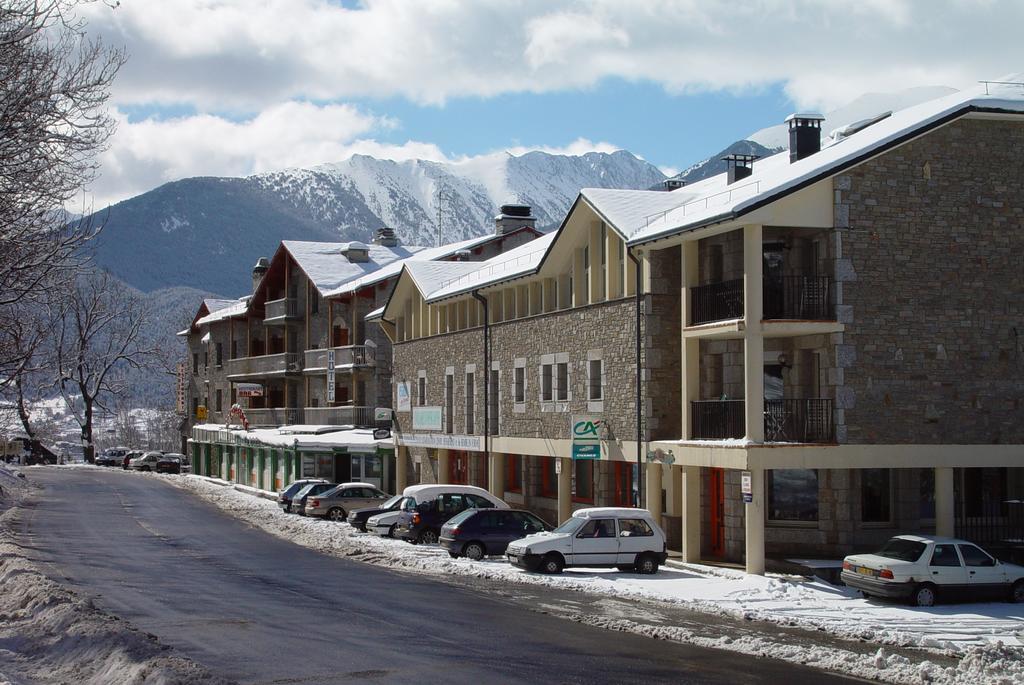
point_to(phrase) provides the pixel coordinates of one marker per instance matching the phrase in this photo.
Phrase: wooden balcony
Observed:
(264, 366)
(280, 312)
(347, 358)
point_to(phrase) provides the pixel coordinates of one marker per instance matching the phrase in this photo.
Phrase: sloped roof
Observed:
(236, 308)
(644, 215)
(330, 271)
(521, 261)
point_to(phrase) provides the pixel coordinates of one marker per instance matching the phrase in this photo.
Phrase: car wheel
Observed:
(647, 564)
(427, 537)
(552, 563)
(474, 550)
(923, 596)
(453, 555)
(337, 514)
(1017, 592)
(391, 530)
(144, 468)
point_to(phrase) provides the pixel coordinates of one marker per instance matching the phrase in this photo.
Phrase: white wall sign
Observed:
(426, 418)
(473, 443)
(747, 487)
(403, 401)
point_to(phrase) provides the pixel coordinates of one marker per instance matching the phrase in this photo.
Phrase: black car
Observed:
(168, 464)
(311, 490)
(284, 498)
(476, 533)
(357, 517)
(420, 522)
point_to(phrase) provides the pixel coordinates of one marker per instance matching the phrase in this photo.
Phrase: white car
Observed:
(920, 568)
(628, 539)
(383, 524)
(147, 462)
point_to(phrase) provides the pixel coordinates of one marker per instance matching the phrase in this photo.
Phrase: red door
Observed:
(716, 498)
(623, 493)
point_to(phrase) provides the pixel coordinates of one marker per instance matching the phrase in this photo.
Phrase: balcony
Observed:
(786, 420)
(265, 366)
(279, 416)
(279, 312)
(799, 298)
(348, 357)
(340, 416)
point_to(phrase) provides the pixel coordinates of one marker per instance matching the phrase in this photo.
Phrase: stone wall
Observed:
(931, 238)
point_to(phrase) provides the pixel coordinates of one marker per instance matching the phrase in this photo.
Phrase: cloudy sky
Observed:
(235, 87)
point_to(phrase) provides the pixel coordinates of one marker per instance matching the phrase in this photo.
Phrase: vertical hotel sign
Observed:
(182, 370)
(586, 438)
(330, 375)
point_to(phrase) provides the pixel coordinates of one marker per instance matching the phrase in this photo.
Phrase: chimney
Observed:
(671, 184)
(355, 251)
(804, 134)
(739, 166)
(513, 217)
(259, 271)
(385, 237)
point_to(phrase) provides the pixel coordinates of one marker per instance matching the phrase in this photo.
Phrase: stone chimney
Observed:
(513, 217)
(385, 237)
(356, 251)
(739, 167)
(804, 135)
(259, 271)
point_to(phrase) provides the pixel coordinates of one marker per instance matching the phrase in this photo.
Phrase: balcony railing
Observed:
(340, 416)
(278, 311)
(786, 420)
(267, 365)
(346, 357)
(806, 298)
(279, 416)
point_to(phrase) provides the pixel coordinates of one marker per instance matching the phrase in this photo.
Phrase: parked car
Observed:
(303, 495)
(357, 518)
(112, 456)
(284, 497)
(428, 507)
(476, 533)
(184, 465)
(147, 462)
(168, 463)
(384, 524)
(335, 504)
(126, 462)
(923, 568)
(628, 539)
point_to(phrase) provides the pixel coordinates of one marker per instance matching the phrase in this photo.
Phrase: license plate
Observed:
(865, 571)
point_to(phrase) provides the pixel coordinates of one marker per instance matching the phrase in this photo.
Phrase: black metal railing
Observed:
(717, 302)
(804, 420)
(805, 298)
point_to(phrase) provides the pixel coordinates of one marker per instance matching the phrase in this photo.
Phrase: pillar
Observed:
(652, 489)
(496, 475)
(945, 517)
(613, 276)
(579, 280)
(753, 340)
(595, 246)
(564, 489)
(690, 367)
(443, 466)
(689, 506)
(401, 468)
(754, 519)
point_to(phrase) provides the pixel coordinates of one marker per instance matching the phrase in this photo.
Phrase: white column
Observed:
(564, 489)
(754, 519)
(496, 475)
(443, 466)
(753, 340)
(401, 468)
(652, 489)
(690, 509)
(945, 518)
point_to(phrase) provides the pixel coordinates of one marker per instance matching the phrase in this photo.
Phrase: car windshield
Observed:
(570, 525)
(391, 502)
(460, 517)
(902, 549)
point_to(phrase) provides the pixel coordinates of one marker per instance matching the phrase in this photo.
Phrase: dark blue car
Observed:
(476, 533)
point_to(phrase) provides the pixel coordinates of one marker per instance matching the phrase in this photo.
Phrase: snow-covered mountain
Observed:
(208, 232)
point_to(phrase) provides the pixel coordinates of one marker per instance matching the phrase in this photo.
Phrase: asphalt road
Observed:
(257, 609)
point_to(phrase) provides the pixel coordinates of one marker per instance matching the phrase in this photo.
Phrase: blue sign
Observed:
(586, 450)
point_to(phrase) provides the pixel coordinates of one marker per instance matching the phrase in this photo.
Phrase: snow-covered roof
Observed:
(355, 439)
(332, 273)
(515, 263)
(214, 304)
(648, 215)
(236, 308)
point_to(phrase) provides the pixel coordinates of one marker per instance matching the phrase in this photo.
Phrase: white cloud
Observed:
(577, 147)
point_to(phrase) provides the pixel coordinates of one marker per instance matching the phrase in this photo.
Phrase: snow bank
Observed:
(49, 634)
(986, 638)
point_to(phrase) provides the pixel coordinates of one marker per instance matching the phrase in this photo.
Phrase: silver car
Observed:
(335, 504)
(147, 462)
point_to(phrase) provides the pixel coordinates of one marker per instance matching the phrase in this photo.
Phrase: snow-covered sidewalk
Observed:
(987, 638)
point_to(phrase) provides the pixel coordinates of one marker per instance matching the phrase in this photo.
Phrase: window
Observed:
(973, 556)
(220, 397)
(206, 360)
(234, 349)
(421, 389)
(875, 496)
(470, 392)
(314, 301)
(793, 495)
(513, 473)
(195, 362)
(519, 381)
(546, 390)
(548, 477)
(598, 528)
(637, 528)
(220, 354)
(493, 405)
(449, 402)
(583, 480)
(562, 369)
(945, 555)
(595, 380)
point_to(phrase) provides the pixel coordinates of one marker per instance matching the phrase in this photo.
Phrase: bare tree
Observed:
(54, 86)
(100, 334)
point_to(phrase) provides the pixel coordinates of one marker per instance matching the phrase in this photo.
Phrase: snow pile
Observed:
(49, 634)
(986, 637)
